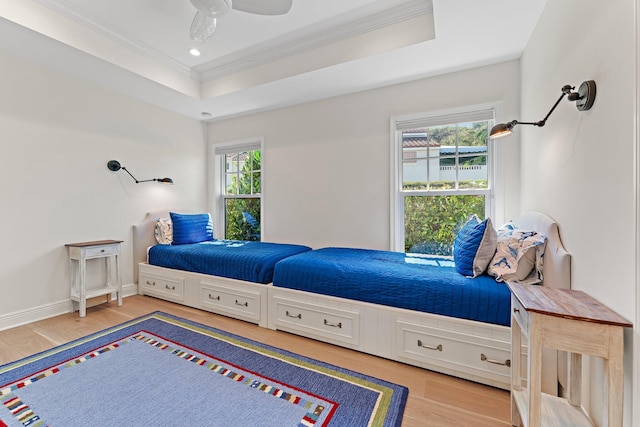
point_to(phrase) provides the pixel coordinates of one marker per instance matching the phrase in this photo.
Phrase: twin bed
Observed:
(415, 310)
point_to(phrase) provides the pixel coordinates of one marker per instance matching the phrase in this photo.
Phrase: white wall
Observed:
(562, 163)
(327, 167)
(56, 135)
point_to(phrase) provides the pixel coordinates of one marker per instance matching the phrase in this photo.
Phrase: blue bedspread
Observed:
(394, 279)
(249, 261)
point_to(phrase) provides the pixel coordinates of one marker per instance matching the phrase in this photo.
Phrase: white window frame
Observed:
(428, 119)
(218, 191)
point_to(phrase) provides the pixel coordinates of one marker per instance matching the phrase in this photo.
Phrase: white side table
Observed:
(79, 253)
(572, 321)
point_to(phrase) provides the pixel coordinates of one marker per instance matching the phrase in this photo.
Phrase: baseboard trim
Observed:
(19, 318)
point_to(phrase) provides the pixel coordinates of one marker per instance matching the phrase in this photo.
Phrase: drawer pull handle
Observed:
(151, 283)
(245, 304)
(516, 310)
(171, 288)
(506, 363)
(295, 316)
(217, 297)
(428, 347)
(102, 250)
(333, 325)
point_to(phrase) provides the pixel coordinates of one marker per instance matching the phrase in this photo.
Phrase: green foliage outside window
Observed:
(432, 222)
(474, 134)
(247, 181)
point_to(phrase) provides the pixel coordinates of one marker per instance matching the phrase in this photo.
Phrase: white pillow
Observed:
(164, 231)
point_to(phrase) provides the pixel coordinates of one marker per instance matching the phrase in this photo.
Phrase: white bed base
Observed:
(467, 349)
(229, 297)
(444, 344)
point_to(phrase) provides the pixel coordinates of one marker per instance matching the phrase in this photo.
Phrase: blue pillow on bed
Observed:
(191, 228)
(474, 247)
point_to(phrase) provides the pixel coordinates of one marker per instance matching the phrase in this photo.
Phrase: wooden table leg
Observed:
(119, 277)
(614, 371)
(575, 379)
(516, 379)
(534, 374)
(83, 288)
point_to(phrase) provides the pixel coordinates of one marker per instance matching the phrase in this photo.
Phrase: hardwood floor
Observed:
(434, 399)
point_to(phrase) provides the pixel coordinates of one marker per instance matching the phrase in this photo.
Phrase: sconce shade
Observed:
(502, 129)
(584, 99)
(114, 165)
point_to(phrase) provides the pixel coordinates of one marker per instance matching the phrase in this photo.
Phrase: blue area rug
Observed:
(161, 370)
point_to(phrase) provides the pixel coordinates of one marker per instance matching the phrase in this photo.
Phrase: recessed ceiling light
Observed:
(195, 52)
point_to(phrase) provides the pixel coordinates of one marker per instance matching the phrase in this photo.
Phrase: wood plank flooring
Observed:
(434, 399)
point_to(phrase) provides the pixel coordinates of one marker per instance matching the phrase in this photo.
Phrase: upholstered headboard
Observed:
(144, 236)
(556, 271)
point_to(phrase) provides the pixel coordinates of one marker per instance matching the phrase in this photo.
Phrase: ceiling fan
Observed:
(204, 23)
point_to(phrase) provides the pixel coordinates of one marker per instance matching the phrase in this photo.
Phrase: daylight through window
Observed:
(444, 177)
(240, 198)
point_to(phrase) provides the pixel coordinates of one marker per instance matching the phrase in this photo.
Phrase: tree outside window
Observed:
(444, 179)
(242, 201)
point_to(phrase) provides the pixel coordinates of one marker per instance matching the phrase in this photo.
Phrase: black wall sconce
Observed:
(115, 166)
(584, 98)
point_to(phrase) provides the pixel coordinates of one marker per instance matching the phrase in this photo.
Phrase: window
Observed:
(443, 176)
(238, 183)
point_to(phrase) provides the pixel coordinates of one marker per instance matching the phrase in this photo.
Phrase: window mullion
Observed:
(457, 169)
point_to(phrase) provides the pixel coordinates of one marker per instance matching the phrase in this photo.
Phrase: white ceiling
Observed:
(321, 48)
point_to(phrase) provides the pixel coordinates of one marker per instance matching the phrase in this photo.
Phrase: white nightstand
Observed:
(79, 253)
(572, 321)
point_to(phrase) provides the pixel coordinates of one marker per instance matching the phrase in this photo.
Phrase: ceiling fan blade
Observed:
(213, 8)
(202, 27)
(263, 7)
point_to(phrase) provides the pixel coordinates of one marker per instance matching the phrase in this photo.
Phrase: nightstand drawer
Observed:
(101, 251)
(520, 315)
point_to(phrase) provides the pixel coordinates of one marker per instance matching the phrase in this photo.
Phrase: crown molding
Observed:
(357, 22)
(312, 37)
(82, 17)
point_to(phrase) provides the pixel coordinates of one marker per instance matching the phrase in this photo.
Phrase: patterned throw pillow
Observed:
(474, 247)
(164, 231)
(519, 255)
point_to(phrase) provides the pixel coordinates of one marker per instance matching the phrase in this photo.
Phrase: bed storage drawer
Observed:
(233, 302)
(168, 288)
(318, 321)
(454, 351)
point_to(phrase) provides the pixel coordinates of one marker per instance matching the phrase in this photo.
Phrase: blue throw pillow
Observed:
(191, 228)
(474, 247)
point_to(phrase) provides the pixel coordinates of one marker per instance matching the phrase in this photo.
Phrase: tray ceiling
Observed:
(254, 63)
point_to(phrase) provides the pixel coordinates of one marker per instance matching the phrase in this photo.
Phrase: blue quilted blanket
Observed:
(249, 261)
(394, 279)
